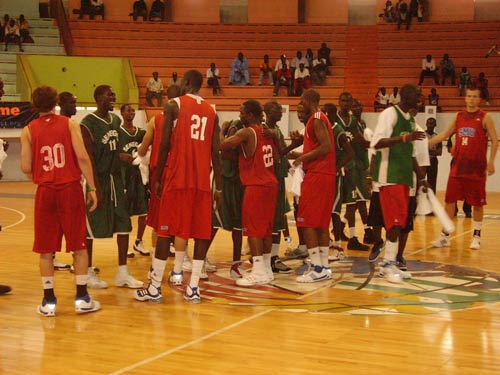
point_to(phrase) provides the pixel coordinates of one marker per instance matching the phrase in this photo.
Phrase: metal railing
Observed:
(58, 12)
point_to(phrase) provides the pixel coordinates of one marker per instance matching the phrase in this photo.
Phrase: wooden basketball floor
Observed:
(445, 320)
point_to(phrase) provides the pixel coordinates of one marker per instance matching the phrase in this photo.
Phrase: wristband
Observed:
(404, 137)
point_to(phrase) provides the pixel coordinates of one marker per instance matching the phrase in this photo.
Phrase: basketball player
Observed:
(467, 179)
(53, 153)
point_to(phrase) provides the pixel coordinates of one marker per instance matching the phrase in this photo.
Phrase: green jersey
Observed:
(128, 144)
(347, 128)
(394, 165)
(106, 145)
(230, 168)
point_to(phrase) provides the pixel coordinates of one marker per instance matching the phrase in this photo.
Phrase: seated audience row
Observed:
(14, 31)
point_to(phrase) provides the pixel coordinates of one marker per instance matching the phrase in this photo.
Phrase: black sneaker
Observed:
(368, 237)
(278, 266)
(354, 244)
(377, 249)
(401, 264)
(4, 289)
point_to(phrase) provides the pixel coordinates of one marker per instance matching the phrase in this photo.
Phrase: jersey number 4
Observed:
(53, 157)
(198, 126)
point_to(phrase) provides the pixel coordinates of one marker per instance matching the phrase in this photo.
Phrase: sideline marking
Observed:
(190, 343)
(23, 217)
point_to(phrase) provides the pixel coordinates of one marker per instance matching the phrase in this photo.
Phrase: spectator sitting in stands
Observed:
(381, 100)
(403, 14)
(154, 89)
(90, 7)
(157, 12)
(433, 98)
(3, 25)
(324, 53)
(319, 71)
(447, 69)
(12, 35)
(464, 81)
(310, 57)
(388, 12)
(394, 97)
(213, 78)
(265, 71)
(174, 81)
(24, 30)
(428, 70)
(283, 78)
(297, 60)
(302, 80)
(140, 9)
(482, 84)
(239, 74)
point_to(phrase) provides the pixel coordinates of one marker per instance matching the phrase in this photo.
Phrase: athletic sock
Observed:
(178, 260)
(315, 256)
(81, 285)
(258, 265)
(48, 288)
(195, 273)
(158, 266)
(275, 249)
(391, 250)
(323, 252)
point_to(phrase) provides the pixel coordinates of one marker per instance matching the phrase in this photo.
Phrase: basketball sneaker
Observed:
(354, 244)
(130, 255)
(94, 282)
(139, 247)
(401, 264)
(475, 243)
(149, 293)
(314, 274)
(187, 265)
(296, 253)
(337, 254)
(124, 278)
(86, 304)
(192, 295)
(210, 267)
(278, 266)
(5, 289)
(237, 271)
(377, 249)
(47, 308)
(253, 278)
(59, 266)
(175, 278)
(442, 241)
(203, 273)
(391, 273)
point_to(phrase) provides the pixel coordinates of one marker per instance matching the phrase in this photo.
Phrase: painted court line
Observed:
(190, 343)
(23, 217)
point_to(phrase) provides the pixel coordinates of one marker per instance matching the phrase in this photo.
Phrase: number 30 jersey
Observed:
(53, 158)
(189, 161)
(258, 169)
(105, 143)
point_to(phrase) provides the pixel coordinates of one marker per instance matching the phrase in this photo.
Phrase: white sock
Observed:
(179, 258)
(258, 265)
(391, 251)
(477, 225)
(81, 279)
(337, 243)
(158, 266)
(48, 282)
(315, 256)
(123, 270)
(323, 252)
(352, 232)
(275, 249)
(267, 261)
(195, 273)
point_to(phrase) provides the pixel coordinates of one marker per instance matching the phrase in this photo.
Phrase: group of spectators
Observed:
(403, 11)
(447, 68)
(140, 9)
(14, 31)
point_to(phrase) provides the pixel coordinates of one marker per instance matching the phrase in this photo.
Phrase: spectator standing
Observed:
(428, 70)
(265, 71)
(140, 9)
(403, 14)
(157, 12)
(239, 74)
(283, 78)
(213, 78)
(447, 69)
(394, 97)
(302, 80)
(464, 80)
(154, 89)
(12, 35)
(482, 84)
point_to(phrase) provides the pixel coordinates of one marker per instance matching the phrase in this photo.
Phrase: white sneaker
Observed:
(139, 247)
(211, 267)
(253, 278)
(475, 243)
(149, 293)
(404, 274)
(337, 254)
(237, 271)
(86, 305)
(391, 273)
(314, 274)
(94, 282)
(59, 266)
(192, 295)
(187, 265)
(175, 278)
(443, 241)
(203, 273)
(46, 308)
(124, 278)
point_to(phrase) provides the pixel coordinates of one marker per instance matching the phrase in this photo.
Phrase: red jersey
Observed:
(155, 147)
(469, 158)
(54, 161)
(325, 164)
(189, 162)
(259, 169)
